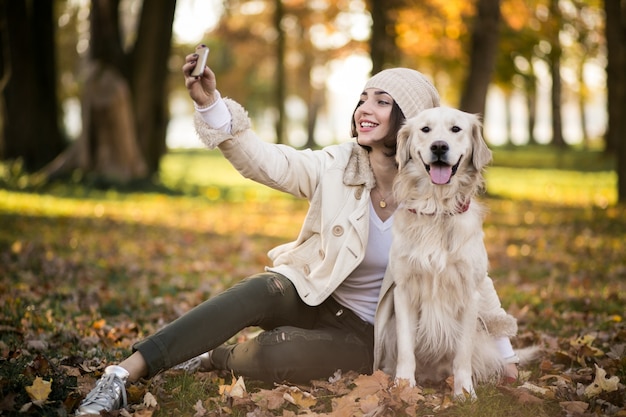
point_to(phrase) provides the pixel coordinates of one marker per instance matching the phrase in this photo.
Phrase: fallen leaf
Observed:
(574, 407)
(344, 406)
(371, 384)
(237, 389)
(270, 399)
(523, 396)
(299, 398)
(601, 383)
(39, 391)
(369, 404)
(149, 400)
(200, 410)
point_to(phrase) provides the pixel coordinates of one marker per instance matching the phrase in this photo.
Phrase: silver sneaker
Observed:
(109, 393)
(199, 363)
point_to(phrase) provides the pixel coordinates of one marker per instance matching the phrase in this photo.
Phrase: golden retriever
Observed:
(438, 259)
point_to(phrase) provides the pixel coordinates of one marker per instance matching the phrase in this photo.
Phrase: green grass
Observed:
(538, 173)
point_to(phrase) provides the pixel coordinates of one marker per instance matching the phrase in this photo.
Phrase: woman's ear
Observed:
(402, 148)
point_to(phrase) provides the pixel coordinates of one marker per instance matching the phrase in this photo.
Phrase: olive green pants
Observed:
(299, 342)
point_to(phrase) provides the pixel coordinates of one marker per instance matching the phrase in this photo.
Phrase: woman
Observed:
(317, 302)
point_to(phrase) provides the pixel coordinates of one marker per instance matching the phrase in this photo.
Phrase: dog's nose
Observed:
(439, 148)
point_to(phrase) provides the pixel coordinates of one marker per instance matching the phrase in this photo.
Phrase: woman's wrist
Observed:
(213, 98)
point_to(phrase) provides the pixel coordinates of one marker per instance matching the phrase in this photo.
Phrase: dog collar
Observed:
(460, 210)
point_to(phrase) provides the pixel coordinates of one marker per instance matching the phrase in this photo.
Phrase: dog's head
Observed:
(441, 140)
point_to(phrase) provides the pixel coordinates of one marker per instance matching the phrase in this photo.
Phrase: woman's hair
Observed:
(396, 120)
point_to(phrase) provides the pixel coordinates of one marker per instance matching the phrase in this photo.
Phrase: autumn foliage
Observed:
(85, 273)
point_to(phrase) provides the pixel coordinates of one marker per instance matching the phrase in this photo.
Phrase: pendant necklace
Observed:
(382, 203)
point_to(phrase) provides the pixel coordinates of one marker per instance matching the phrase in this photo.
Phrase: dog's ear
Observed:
(481, 154)
(402, 146)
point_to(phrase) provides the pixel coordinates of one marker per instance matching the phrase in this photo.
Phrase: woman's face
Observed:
(372, 117)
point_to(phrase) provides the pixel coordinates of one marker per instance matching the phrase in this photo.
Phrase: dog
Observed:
(437, 259)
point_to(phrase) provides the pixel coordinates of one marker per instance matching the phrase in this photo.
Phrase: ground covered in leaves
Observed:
(86, 274)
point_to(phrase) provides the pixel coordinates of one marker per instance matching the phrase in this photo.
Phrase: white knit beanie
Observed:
(409, 88)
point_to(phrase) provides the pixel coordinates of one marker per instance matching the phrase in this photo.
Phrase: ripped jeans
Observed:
(299, 342)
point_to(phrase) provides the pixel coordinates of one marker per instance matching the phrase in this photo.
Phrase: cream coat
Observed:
(337, 181)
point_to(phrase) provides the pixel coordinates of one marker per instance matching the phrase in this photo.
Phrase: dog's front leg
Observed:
(462, 363)
(406, 325)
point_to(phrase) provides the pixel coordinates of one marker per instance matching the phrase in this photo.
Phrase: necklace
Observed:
(382, 203)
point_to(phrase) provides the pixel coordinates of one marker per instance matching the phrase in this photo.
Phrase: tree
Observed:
(124, 97)
(554, 61)
(483, 48)
(616, 80)
(383, 48)
(30, 116)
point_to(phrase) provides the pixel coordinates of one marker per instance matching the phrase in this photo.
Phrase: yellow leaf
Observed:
(236, 389)
(39, 391)
(302, 399)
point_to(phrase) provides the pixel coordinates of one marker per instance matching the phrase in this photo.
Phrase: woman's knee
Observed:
(268, 283)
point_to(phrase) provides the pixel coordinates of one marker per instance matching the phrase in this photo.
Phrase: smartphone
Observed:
(203, 54)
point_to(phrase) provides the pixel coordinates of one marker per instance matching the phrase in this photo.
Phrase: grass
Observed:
(87, 271)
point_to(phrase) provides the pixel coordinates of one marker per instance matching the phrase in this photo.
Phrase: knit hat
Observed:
(409, 88)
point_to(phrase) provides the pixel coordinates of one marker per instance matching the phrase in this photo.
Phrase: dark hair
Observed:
(396, 120)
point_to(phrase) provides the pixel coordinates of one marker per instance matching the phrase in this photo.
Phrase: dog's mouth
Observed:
(440, 172)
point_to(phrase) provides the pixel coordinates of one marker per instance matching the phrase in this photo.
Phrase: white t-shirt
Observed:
(359, 291)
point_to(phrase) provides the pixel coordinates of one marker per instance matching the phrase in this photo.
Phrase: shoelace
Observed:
(104, 393)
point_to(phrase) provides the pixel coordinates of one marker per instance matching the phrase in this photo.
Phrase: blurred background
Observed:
(95, 86)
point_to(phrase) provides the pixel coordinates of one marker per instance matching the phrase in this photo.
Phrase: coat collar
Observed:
(358, 170)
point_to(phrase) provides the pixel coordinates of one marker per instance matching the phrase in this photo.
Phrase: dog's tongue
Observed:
(440, 173)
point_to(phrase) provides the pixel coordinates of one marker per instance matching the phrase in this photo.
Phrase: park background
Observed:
(113, 221)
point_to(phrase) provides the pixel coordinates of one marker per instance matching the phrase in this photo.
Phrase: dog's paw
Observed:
(410, 381)
(464, 389)
(465, 395)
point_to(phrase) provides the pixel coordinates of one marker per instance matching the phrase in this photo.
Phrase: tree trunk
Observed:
(383, 48)
(554, 61)
(125, 97)
(280, 82)
(616, 80)
(531, 103)
(149, 79)
(483, 50)
(30, 118)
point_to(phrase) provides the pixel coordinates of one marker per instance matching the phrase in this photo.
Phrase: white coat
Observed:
(337, 181)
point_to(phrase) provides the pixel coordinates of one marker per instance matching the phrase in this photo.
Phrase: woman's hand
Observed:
(511, 373)
(201, 89)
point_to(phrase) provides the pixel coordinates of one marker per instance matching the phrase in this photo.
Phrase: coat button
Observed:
(337, 230)
(358, 193)
(307, 269)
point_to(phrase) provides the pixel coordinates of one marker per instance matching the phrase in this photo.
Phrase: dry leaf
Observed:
(369, 403)
(535, 389)
(237, 389)
(149, 400)
(601, 383)
(574, 407)
(39, 391)
(200, 410)
(270, 399)
(299, 398)
(371, 384)
(344, 407)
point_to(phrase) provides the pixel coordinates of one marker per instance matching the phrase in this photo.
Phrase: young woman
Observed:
(317, 302)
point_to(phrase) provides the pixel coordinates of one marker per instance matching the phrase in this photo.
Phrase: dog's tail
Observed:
(529, 355)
